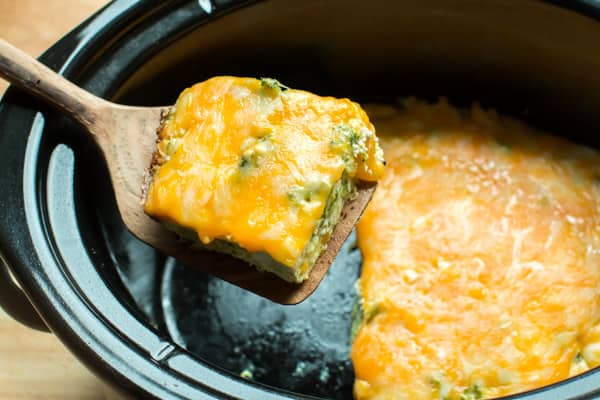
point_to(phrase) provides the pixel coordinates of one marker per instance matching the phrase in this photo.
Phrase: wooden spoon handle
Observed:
(27, 73)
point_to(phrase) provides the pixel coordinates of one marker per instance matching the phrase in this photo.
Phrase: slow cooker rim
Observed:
(38, 287)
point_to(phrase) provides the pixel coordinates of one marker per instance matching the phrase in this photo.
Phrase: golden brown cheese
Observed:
(252, 162)
(481, 254)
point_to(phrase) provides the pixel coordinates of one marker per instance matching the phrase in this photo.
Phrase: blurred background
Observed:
(35, 365)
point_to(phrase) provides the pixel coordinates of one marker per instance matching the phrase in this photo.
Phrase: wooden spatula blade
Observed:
(135, 128)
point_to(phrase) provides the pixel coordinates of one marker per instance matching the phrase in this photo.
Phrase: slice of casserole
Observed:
(254, 169)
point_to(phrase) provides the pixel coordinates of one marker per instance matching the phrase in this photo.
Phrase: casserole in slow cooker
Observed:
(480, 253)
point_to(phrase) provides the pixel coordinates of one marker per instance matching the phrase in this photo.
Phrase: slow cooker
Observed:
(158, 329)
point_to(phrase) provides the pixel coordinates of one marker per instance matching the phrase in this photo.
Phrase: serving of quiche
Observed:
(254, 169)
(481, 258)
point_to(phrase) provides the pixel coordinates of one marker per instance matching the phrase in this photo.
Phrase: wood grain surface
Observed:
(35, 365)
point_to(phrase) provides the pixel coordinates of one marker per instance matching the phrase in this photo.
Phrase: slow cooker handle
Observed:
(16, 304)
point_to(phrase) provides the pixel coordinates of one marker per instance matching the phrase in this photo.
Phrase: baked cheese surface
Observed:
(252, 162)
(481, 246)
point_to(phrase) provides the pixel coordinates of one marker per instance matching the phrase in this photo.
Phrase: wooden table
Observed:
(35, 365)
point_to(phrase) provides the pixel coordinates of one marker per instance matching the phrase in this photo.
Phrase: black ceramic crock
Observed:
(156, 329)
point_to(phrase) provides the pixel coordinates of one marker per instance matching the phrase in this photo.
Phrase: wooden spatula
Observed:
(127, 138)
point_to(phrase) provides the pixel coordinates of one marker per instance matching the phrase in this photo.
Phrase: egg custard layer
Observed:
(260, 171)
(481, 248)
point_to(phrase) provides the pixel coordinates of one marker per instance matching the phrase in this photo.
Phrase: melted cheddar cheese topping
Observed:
(252, 162)
(481, 246)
